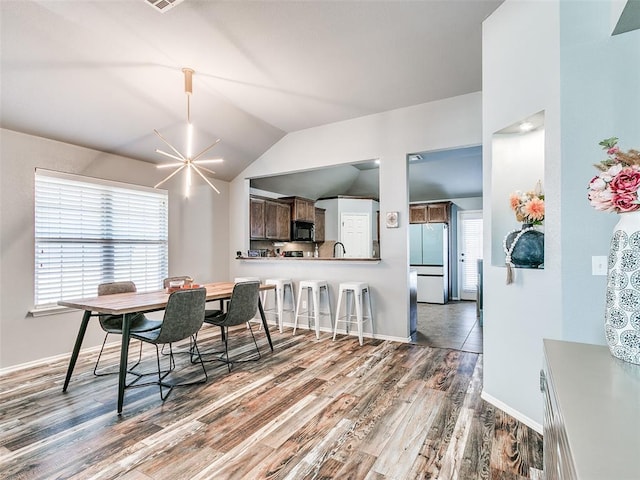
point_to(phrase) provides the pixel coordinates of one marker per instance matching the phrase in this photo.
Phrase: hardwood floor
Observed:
(311, 409)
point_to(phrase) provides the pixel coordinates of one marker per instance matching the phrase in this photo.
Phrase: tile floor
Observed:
(454, 325)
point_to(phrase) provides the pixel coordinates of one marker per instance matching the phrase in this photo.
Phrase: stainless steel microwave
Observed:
(301, 231)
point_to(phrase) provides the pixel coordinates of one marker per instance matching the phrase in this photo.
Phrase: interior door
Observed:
(355, 234)
(469, 251)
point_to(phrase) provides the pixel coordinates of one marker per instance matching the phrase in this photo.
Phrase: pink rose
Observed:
(627, 181)
(601, 200)
(597, 183)
(613, 150)
(624, 202)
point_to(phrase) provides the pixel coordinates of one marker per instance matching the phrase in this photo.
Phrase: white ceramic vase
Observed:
(622, 314)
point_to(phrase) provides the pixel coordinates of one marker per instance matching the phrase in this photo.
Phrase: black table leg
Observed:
(76, 348)
(264, 322)
(124, 355)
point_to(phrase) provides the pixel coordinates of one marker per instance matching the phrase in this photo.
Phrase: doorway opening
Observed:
(452, 177)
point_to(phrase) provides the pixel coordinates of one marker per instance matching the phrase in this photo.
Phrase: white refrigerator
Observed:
(429, 255)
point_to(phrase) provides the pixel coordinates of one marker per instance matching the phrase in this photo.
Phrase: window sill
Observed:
(49, 310)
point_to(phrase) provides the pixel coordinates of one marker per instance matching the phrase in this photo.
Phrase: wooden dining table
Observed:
(129, 304)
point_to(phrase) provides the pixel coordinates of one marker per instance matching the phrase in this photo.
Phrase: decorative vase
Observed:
(622, 312)
(525, 247)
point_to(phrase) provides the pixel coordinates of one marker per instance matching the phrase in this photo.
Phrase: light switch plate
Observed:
(598, 265)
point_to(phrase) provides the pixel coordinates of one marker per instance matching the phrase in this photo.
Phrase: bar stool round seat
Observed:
(354, 295)
(315, 290)
(279, 294)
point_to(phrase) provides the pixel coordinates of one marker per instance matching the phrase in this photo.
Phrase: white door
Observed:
(469, 251)
(355, 234)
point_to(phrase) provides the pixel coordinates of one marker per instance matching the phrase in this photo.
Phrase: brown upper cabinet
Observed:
(418, 213)
(269, 219)
(318, 233)
(256, 218)
(429, 212)
(302, 209)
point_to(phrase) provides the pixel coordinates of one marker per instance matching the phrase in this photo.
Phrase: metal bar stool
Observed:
(279, 294)
(354, 293)
(313, 311)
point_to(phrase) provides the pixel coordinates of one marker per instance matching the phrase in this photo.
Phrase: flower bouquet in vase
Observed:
(524, 247)
(615, 189)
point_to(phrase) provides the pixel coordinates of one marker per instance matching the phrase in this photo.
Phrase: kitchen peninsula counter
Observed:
(309, 259)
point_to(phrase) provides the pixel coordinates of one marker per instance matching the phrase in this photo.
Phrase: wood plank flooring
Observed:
(311, 409)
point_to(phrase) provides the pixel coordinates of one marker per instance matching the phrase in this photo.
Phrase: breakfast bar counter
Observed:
(309, 259)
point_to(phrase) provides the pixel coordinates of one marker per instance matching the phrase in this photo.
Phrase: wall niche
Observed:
(517, 164)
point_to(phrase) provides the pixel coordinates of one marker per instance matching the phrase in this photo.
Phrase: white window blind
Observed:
(90, 231)
(472, 248)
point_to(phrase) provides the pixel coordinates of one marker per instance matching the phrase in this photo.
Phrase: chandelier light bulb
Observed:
(188, 161)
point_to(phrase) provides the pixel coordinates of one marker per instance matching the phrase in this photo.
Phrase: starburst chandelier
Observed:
(188, 161)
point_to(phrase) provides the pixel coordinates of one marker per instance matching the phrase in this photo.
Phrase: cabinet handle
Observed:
(543, 381)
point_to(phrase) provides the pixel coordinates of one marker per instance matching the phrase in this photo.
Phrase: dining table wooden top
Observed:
(121, 303)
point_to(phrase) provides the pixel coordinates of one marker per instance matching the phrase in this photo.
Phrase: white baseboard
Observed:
(54, 358)
(353, 333)
(514, 413)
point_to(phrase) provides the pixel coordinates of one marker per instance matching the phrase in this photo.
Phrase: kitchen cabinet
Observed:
(438, 212)
(418, 213)
(277, 225)
(269, 219)
(256, 218)
(302, 209)
(429, 212)
(319, 225)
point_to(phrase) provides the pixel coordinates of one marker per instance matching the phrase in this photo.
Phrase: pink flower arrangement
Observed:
(528, 206)
(615, 188)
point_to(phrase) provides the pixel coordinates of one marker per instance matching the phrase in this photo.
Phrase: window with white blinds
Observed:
(90, 231)
(472, 248)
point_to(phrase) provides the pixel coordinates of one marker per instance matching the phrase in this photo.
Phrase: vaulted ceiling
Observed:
(105, 74)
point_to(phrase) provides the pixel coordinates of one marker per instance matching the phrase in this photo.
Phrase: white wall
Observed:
(521, 76)
(198, 237)
(556, 56)
(389, 136)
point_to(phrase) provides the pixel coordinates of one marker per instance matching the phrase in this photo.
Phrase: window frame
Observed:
(90, 230)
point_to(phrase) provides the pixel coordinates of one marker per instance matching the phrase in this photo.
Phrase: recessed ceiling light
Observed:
(526, 126)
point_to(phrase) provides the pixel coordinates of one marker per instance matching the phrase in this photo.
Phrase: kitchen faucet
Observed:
(344, 251)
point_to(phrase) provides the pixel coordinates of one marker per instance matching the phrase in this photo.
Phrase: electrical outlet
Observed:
(304, 304)
(598, 265)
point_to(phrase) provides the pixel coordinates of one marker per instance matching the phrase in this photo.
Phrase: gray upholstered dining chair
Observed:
(242, 307)
(113, 323)
(183, 317)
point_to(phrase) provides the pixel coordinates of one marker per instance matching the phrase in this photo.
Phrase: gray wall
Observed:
(198, 238)
(567, 64)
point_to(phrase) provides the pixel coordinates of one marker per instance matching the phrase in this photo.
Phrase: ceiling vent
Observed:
(163, 5)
